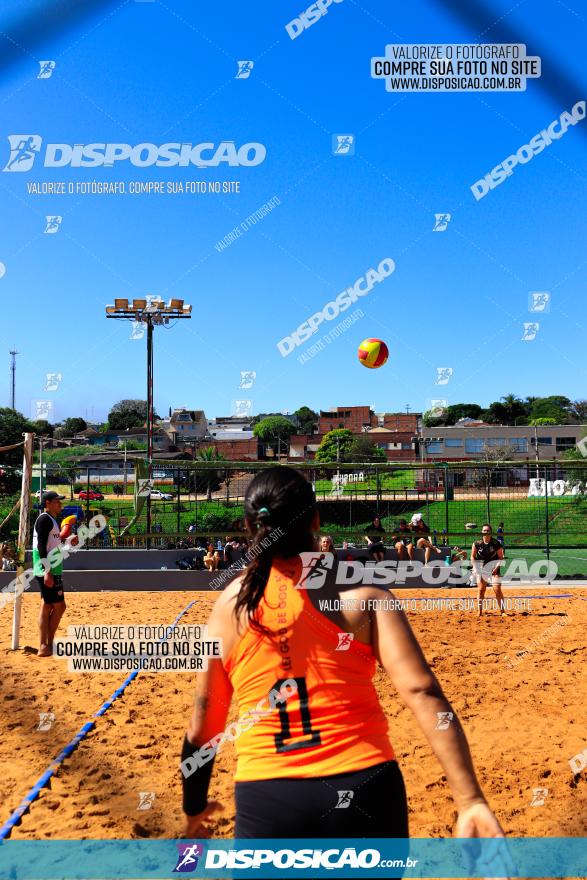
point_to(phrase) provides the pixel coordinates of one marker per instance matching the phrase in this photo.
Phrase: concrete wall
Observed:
(152, 570)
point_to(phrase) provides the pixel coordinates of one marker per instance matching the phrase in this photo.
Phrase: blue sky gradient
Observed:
(165, 71)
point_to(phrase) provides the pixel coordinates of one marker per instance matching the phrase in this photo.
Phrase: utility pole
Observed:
(13, 352)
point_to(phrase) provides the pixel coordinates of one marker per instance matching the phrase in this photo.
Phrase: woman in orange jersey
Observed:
(313, 753)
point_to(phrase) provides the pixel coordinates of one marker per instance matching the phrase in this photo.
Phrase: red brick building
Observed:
(407, 422)
(353, 418)
(236, 450)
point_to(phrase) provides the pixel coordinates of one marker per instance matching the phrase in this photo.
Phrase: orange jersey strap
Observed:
(332, 721)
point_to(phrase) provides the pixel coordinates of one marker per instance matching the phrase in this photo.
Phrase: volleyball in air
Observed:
(372, 353)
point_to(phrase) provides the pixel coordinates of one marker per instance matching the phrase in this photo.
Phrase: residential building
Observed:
(228, 423)
(409, 422)
(398, 445)
(184, 425)
(470, 440)
(236, 449)
(353, 418)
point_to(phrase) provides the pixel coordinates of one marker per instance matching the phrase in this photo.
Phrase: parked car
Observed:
(90, 495)
(162, 496)
(37, 494)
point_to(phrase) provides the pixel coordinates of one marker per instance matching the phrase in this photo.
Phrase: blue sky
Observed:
(160, 72)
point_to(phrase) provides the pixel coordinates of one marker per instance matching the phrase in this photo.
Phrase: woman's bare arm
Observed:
(401, 656)
(213, 687)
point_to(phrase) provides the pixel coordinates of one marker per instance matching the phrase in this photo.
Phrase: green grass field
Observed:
(395, 481)
(524, 522)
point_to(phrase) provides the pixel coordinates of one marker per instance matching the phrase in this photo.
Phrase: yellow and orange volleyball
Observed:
(372, 353)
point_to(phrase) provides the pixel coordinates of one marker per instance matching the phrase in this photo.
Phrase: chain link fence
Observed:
(540, 509)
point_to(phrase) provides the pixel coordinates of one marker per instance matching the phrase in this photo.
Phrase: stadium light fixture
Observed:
(150, 312)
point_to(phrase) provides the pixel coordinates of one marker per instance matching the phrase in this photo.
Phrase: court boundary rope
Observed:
(72, 745)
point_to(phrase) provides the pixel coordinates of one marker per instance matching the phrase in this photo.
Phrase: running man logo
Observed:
(137, 330)
(530, 331)
(441, 222)
(146, 800)
(344, 799)
(53, 380)
(53, 222)
(539, 795)
(43, 409)
(47, 68)
(187, 860)
(438, 407)
(343, 145)
(539, 301)
(444, 720)
(247, 379)
(242, 407)
(344, 641)
(315, 566)
(144, 487)
(23, 151)
(244, 69)
(46, 720)
(443, 375)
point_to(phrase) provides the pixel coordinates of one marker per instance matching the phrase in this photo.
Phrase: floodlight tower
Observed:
(152, 312)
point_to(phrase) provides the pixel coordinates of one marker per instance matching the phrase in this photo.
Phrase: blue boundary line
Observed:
(42, 781)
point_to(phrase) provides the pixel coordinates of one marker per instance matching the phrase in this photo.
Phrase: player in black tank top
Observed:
(486, 556)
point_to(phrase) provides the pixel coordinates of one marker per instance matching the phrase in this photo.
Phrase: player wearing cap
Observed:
(48, 568)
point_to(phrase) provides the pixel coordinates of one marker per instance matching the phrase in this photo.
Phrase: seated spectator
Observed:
(211, 558)
(327, 544)
(376, 548)
(232, 551)
(402, 542)
(421, 534)
(8, 556)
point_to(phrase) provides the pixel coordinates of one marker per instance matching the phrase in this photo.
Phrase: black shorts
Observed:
(54, 594)
(365, 803)
(376, 547)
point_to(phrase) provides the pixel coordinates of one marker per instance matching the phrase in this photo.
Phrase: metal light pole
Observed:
(151, 312)
(13, 352)
(149, 420)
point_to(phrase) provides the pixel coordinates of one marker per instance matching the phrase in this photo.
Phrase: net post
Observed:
(27, 468)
